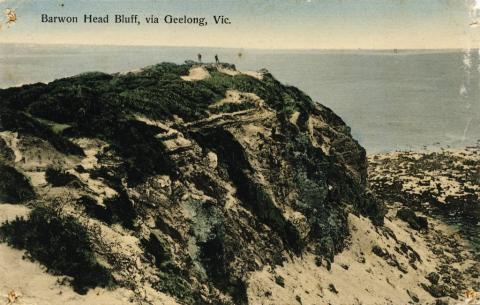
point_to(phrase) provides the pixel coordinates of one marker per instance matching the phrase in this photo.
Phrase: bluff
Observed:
(177, 179)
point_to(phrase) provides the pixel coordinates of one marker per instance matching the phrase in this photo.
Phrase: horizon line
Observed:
(239, 48)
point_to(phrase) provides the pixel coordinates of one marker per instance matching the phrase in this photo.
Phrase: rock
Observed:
(389, 258)
(280, 281)
(361, 259)
(379, 251)
(419, 223)
(436, 291)
(435, 183)
(157, 246)
(433, 277)
(401, 267)
(212, 159)
(208, 180)
(413, 296)
(332, 288)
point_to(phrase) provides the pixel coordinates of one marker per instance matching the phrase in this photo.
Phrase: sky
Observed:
(259, 24)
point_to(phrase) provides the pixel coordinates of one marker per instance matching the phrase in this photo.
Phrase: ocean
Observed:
(392, 100)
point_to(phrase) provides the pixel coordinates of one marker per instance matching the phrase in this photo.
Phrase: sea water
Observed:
(392, 100)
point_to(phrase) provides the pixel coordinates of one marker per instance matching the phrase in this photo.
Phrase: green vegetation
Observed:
(14, 187)
(418, 223)
(226, 243)
(6, 154)
(121, 210)
(233, 107)
(280, 281)
(284, 99)
(252, 194)
(171, 276)
(57, 128)
(103, 105)
(93, 209)
(60, 243)
(116, 209)
(57, 177)
(23, 123)
(216, 254)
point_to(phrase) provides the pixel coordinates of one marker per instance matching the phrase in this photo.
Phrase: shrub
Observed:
(61, 244)
(58, 177)
(418, 223)
(14, 187)
(121, 210)
(280, 281)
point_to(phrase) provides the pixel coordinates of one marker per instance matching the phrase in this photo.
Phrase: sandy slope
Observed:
(175, 220)
(34, 285)
(358, 276)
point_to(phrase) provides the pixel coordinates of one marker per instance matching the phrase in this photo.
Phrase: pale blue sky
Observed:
(277, 24)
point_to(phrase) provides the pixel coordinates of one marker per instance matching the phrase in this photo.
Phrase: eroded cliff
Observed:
(177, 180)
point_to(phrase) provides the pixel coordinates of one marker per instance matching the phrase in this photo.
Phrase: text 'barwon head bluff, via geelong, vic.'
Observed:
(136, 19)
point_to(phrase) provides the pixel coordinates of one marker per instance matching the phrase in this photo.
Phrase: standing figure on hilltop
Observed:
(216, 59)
(199, 57)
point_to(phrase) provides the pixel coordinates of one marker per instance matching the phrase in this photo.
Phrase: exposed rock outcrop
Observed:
(442, 186)
(181, 180)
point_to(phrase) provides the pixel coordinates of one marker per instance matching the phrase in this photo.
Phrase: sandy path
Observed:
(196, 74)
(231, 72)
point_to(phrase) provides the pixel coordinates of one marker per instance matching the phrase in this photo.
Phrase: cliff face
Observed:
(177, 179)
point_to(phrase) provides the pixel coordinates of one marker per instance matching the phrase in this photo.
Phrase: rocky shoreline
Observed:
(426, 252)
(441, 189)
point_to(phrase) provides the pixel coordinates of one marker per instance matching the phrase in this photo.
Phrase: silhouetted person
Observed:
(199, 57)
(216, 59)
